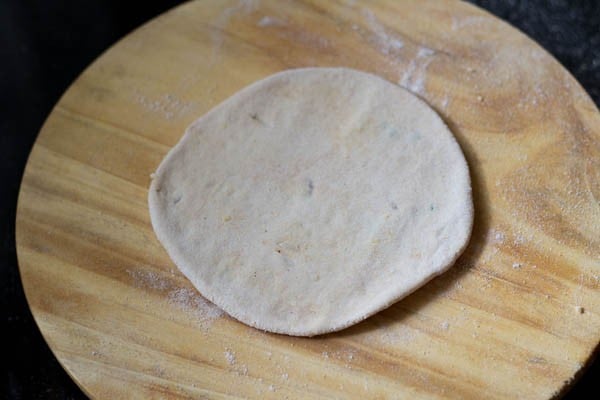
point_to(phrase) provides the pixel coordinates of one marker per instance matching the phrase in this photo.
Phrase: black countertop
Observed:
(45, 44)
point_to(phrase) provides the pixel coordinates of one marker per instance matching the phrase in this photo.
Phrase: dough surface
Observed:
(313, 199)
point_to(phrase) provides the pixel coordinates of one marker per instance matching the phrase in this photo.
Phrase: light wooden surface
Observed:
(517, 317)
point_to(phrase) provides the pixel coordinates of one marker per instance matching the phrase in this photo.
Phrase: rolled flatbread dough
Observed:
(312, 199)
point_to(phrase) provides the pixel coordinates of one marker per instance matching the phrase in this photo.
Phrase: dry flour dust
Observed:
(312, 199)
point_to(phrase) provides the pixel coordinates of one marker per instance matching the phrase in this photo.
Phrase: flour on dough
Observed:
(313, 199)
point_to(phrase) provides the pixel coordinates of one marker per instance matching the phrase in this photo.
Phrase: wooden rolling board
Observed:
(517, 317)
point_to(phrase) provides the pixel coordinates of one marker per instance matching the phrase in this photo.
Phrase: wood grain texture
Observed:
(516, 317)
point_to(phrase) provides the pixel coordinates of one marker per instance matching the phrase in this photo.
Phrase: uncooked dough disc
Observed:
(312, 199)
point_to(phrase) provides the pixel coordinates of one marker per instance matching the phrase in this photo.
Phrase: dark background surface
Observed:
(45, 45)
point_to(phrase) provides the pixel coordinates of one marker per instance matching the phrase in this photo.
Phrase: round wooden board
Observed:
(516, 317)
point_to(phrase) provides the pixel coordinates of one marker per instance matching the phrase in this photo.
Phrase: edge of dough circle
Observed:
(312, 199)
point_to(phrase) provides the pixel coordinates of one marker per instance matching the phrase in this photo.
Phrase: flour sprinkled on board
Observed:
(497, 237)
(267, 21)
(243, 7)
(202, 312)
(550, 210)
(148, 279)
(167, 106)
(389, 44)
(472, 20)
(192, 302)
(425, 52)
(229, 356)
(386, 42)
(517, 265)
(393, 335)
(445, 102)
(294, 35)
(415, 74)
